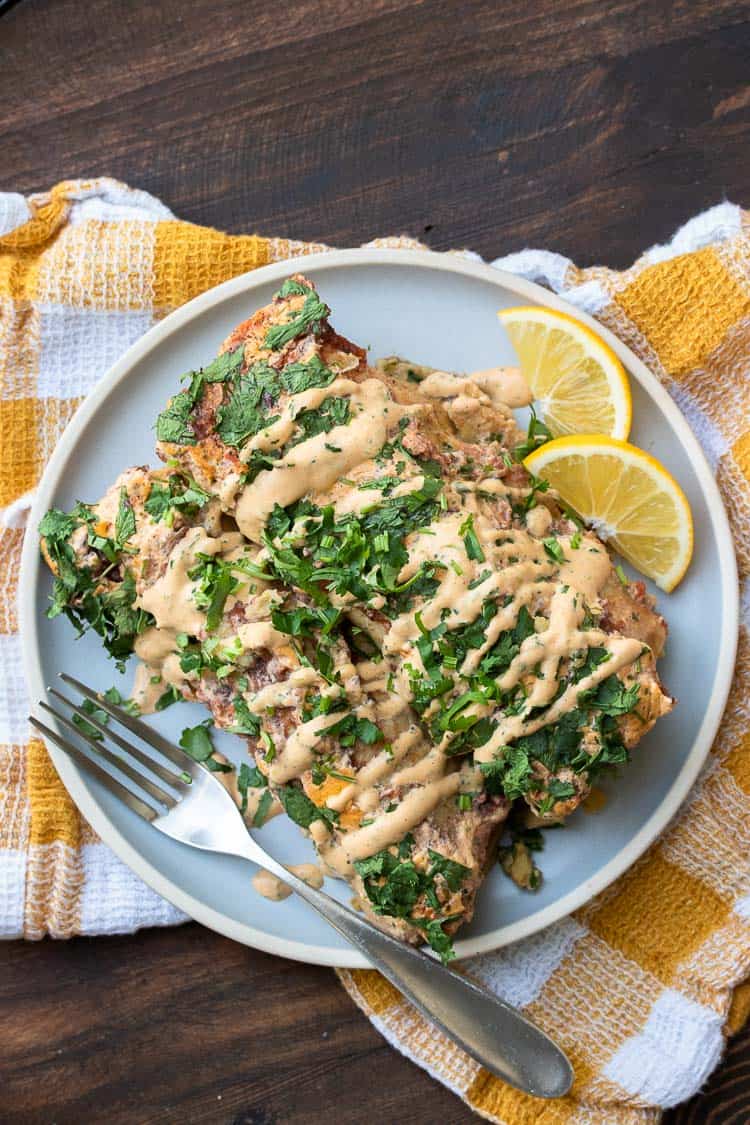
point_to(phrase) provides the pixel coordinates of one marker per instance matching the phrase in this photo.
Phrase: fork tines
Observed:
(139, 772)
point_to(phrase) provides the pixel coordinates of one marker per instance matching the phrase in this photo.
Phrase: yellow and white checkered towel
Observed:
(642, 985)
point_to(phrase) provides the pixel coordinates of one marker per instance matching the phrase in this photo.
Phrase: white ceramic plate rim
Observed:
(529, 293)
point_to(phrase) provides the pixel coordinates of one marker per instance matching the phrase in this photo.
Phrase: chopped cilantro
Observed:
(129, 706)
(244, 412)
(331, 413)
(125, 521)
(471, 541)
(508, 645)
(537, 434)
(480, 579)
(97, 713)
(453, 873)
(77, 590)
(322, 769)
(298, 377)
(554, 549)
(394, 885)
(248, 777)
(299, 808)
(226, 366)
(264, 805)
(304, 620)
(351, 729)
(260, 461)
(196, 742)
(170, 696)
(403, 883)
(292, 288)
(560, 790)
(173, 424)
(595, 656)
(269, 744)
(56, 526)
(349, 555)
(438, 940)
(611, 697)
(536, 485)
(223, 587)
(215, 582)
(179, 494)
(245, 722)
(510, 774)
(309, 316)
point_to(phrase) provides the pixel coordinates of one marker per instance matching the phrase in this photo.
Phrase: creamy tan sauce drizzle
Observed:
(363, 789)
(504, 386)
(148, 686)
(284, 693)
(347, 498)
(516, 568)
(521, 569)
(160, 667)
(281, 431)
(271, 887)
(253, 798)
(170, 598)
(155, 644)
(298, 753)
(466, 393)
(538, 521)
(316, 464)
(389, 828)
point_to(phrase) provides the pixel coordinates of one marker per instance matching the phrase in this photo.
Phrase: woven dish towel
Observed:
(643, 984)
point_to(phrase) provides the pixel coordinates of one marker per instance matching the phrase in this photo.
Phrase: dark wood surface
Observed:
(184, 1027)
(592, 129)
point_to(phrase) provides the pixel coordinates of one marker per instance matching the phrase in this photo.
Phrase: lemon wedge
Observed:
(626, 496)
(578, 383)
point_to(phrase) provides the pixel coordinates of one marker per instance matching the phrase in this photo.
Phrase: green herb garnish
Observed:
(97, 713)
(554, 550)
(170, 696)
(471, 541)
(309, 317)
(77, 589)
(180, 494)
(394, 885)
(299, 808)
(331, 413)
(537, 435)
(196, 742)
(125, 521)
(173, 424)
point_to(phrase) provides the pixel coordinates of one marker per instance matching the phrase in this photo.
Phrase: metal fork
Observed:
(185, 801)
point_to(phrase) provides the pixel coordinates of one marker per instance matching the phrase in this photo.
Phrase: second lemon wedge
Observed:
(578, 383)
(626, 496)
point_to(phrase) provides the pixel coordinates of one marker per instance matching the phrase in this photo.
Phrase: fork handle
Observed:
(488, 1029)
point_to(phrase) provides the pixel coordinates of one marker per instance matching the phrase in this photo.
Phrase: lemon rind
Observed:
(622, 402)
(601, 443)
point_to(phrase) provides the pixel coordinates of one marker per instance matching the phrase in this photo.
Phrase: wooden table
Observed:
(591, 129)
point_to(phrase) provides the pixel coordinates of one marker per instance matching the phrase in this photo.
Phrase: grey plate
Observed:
(435, 309)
